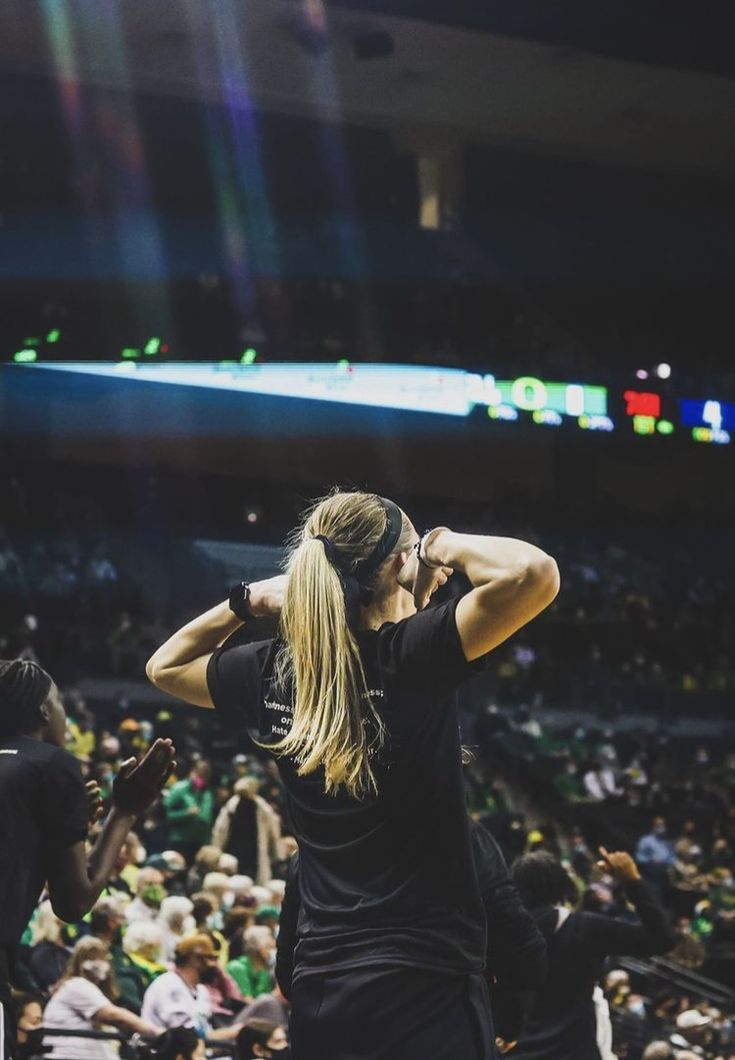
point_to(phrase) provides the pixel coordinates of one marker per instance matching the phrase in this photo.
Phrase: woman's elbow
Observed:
(153, 670)
(541, 580)
(70, 909)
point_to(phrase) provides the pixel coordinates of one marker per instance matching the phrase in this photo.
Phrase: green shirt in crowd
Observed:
(252, 981)
(185, 826)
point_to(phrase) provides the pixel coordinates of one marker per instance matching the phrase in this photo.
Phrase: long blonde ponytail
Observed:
(320, 657)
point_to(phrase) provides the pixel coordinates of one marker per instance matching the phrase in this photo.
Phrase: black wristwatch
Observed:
(240, 601)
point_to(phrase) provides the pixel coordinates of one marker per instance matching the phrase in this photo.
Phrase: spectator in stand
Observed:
(225, 999)
(180, 998)
(272, 1007)
(228, 864)
(49, 956)
(655, 855)
(179, 1043)
(252, 969)
(106, 923)
(250, 829)
(81, 736)
(189, 808)
(659, 1051)
(176, 921)
(569, 1019)
(206, 860)
(217, 886)
(259, 1039)
(125, 875)
(84, 1001)
(599, 781)
(28, 1011)
(149, 895)
(143, 944)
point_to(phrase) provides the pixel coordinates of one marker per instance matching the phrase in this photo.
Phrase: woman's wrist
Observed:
(266, 596)
(434, 547)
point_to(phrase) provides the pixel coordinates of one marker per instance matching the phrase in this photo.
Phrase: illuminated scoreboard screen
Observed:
(440, 391)
(707, 420)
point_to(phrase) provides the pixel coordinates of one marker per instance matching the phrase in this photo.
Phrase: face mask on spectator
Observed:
(153, 895)
(97, 970)
(198, 783)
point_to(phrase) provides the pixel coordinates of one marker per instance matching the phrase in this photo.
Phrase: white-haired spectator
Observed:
(251, 969)
(228, 864)
(49, 956)
(217, 889)
(658, 1051)
(277, 890)
(248, 827)
(262, 896)
(218, 884)
(241, 887)
(143, 942)
(176, 921)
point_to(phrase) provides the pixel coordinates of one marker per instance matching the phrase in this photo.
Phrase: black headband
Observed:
(389, 540)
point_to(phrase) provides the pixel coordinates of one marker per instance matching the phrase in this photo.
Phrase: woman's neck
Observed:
(387, 608)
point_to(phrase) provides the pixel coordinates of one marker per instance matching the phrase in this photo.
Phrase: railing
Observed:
(132, 1046)
(689, 982)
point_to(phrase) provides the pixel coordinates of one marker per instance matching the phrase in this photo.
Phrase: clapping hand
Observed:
(139, 783)
(95, 806)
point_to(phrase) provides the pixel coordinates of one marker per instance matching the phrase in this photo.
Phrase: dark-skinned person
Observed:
(355, 697)
(569, 1018)
(45, 811)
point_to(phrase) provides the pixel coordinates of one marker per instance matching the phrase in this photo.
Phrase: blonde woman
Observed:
(355, 698)
(84, 1002)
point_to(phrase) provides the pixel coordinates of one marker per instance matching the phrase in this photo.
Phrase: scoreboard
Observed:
(442, 391)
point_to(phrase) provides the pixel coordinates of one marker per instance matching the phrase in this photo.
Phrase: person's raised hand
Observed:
(139, 783)
(266, 597)
(420, 580)
(95, 805)
(619, 865)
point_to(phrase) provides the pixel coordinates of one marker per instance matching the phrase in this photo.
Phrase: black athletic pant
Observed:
(390, 1014)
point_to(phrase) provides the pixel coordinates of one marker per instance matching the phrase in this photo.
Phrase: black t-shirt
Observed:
(387, 879)
(564, 1021)
(43, 806)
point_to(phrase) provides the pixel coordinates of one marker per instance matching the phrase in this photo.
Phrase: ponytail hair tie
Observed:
(331, 550)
